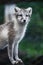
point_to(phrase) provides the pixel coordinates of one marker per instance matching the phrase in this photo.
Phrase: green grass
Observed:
(32, 48)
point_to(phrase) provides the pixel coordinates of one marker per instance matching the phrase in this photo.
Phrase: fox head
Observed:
(23, 15)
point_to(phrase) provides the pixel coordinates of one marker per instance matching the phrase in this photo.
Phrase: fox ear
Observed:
(17, 9)
(29, 9)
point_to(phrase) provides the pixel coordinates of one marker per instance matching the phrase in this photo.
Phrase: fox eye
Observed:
(27, 15)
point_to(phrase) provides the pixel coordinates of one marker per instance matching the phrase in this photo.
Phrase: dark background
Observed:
(17, 1)
(31, 47)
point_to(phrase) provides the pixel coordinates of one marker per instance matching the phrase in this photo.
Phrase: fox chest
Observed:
(19, 36)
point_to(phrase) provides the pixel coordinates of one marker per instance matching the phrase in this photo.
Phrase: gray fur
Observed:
(13, 31)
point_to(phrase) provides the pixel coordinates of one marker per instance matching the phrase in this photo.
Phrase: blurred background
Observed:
(32, 44)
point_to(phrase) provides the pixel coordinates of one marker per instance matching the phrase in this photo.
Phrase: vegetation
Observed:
(32, 43)
(33, 40)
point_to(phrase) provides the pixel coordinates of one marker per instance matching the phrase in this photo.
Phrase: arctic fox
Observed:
(13, 31)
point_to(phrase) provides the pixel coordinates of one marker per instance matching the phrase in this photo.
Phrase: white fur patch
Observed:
(9, 9)
(4, 33)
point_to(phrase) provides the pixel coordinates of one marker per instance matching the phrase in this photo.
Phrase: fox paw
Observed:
(19, 60)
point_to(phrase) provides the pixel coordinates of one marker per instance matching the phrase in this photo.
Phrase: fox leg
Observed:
(16, 53)
(10, 53)
(11, 47)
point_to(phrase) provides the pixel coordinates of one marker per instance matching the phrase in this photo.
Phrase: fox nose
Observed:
(24, 21)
